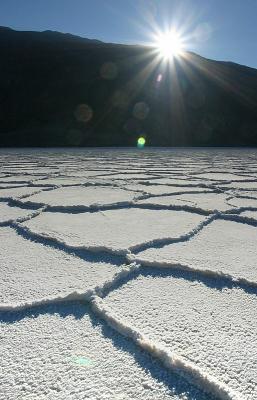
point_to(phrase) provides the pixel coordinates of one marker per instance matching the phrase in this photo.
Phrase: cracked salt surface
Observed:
(14, 193)
(241, 185)
(128, 176)
(85, 196)
(178, 181)
(128, 274)
(11, 185)
(162, 189)
(8, 214)
(243, 202)
(115, 230)
(249, 214)
(224, 176)
(58, 181)
(211, 326)
(35, 271)
(64, 352)
(224, 247)
(205, 201)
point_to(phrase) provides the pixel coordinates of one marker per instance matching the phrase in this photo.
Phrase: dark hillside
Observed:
(60, 90)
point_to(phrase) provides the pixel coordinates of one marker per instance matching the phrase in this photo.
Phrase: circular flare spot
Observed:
(140, 110)
(140, 142)
(109, 71)
(83, 113)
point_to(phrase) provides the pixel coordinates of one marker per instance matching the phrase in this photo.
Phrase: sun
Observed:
(169, 44)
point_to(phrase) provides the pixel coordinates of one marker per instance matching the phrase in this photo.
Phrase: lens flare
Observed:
(83, 113)
(109, 71)
(140, 142)
(140, 110)
(82, 361)
(169, 44)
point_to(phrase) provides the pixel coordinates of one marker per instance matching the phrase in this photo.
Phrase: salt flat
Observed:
(44, 272)
(216, 255)
(9, 214)
(117, 230)
(128, 274)
(82, 196)
(207, 201)
(65, 352)
(213, 328)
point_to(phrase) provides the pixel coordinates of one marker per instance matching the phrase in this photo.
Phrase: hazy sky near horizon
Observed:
(217, 29)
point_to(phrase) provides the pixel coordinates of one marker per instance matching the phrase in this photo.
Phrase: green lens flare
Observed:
(82, 361)
(141, 142)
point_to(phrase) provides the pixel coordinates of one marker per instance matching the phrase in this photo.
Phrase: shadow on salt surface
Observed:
(114, 230)
(76, 308)
(211, 327)
(229, 248)
(10, 213)
(217, 283)
(84, 254)
(81, 196)
(212, 282)
(169, 385)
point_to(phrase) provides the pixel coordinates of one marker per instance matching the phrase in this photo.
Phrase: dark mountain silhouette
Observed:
(60, 90)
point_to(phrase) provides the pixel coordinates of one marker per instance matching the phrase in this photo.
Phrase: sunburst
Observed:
(169, 44)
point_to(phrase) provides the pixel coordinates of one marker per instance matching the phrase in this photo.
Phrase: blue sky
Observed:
(217, 29)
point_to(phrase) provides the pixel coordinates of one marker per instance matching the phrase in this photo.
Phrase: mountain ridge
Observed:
(58, 89)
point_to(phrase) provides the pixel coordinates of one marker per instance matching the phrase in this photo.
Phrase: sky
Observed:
(216, 29)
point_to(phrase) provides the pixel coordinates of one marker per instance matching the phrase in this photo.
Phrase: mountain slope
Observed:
(60, 90)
